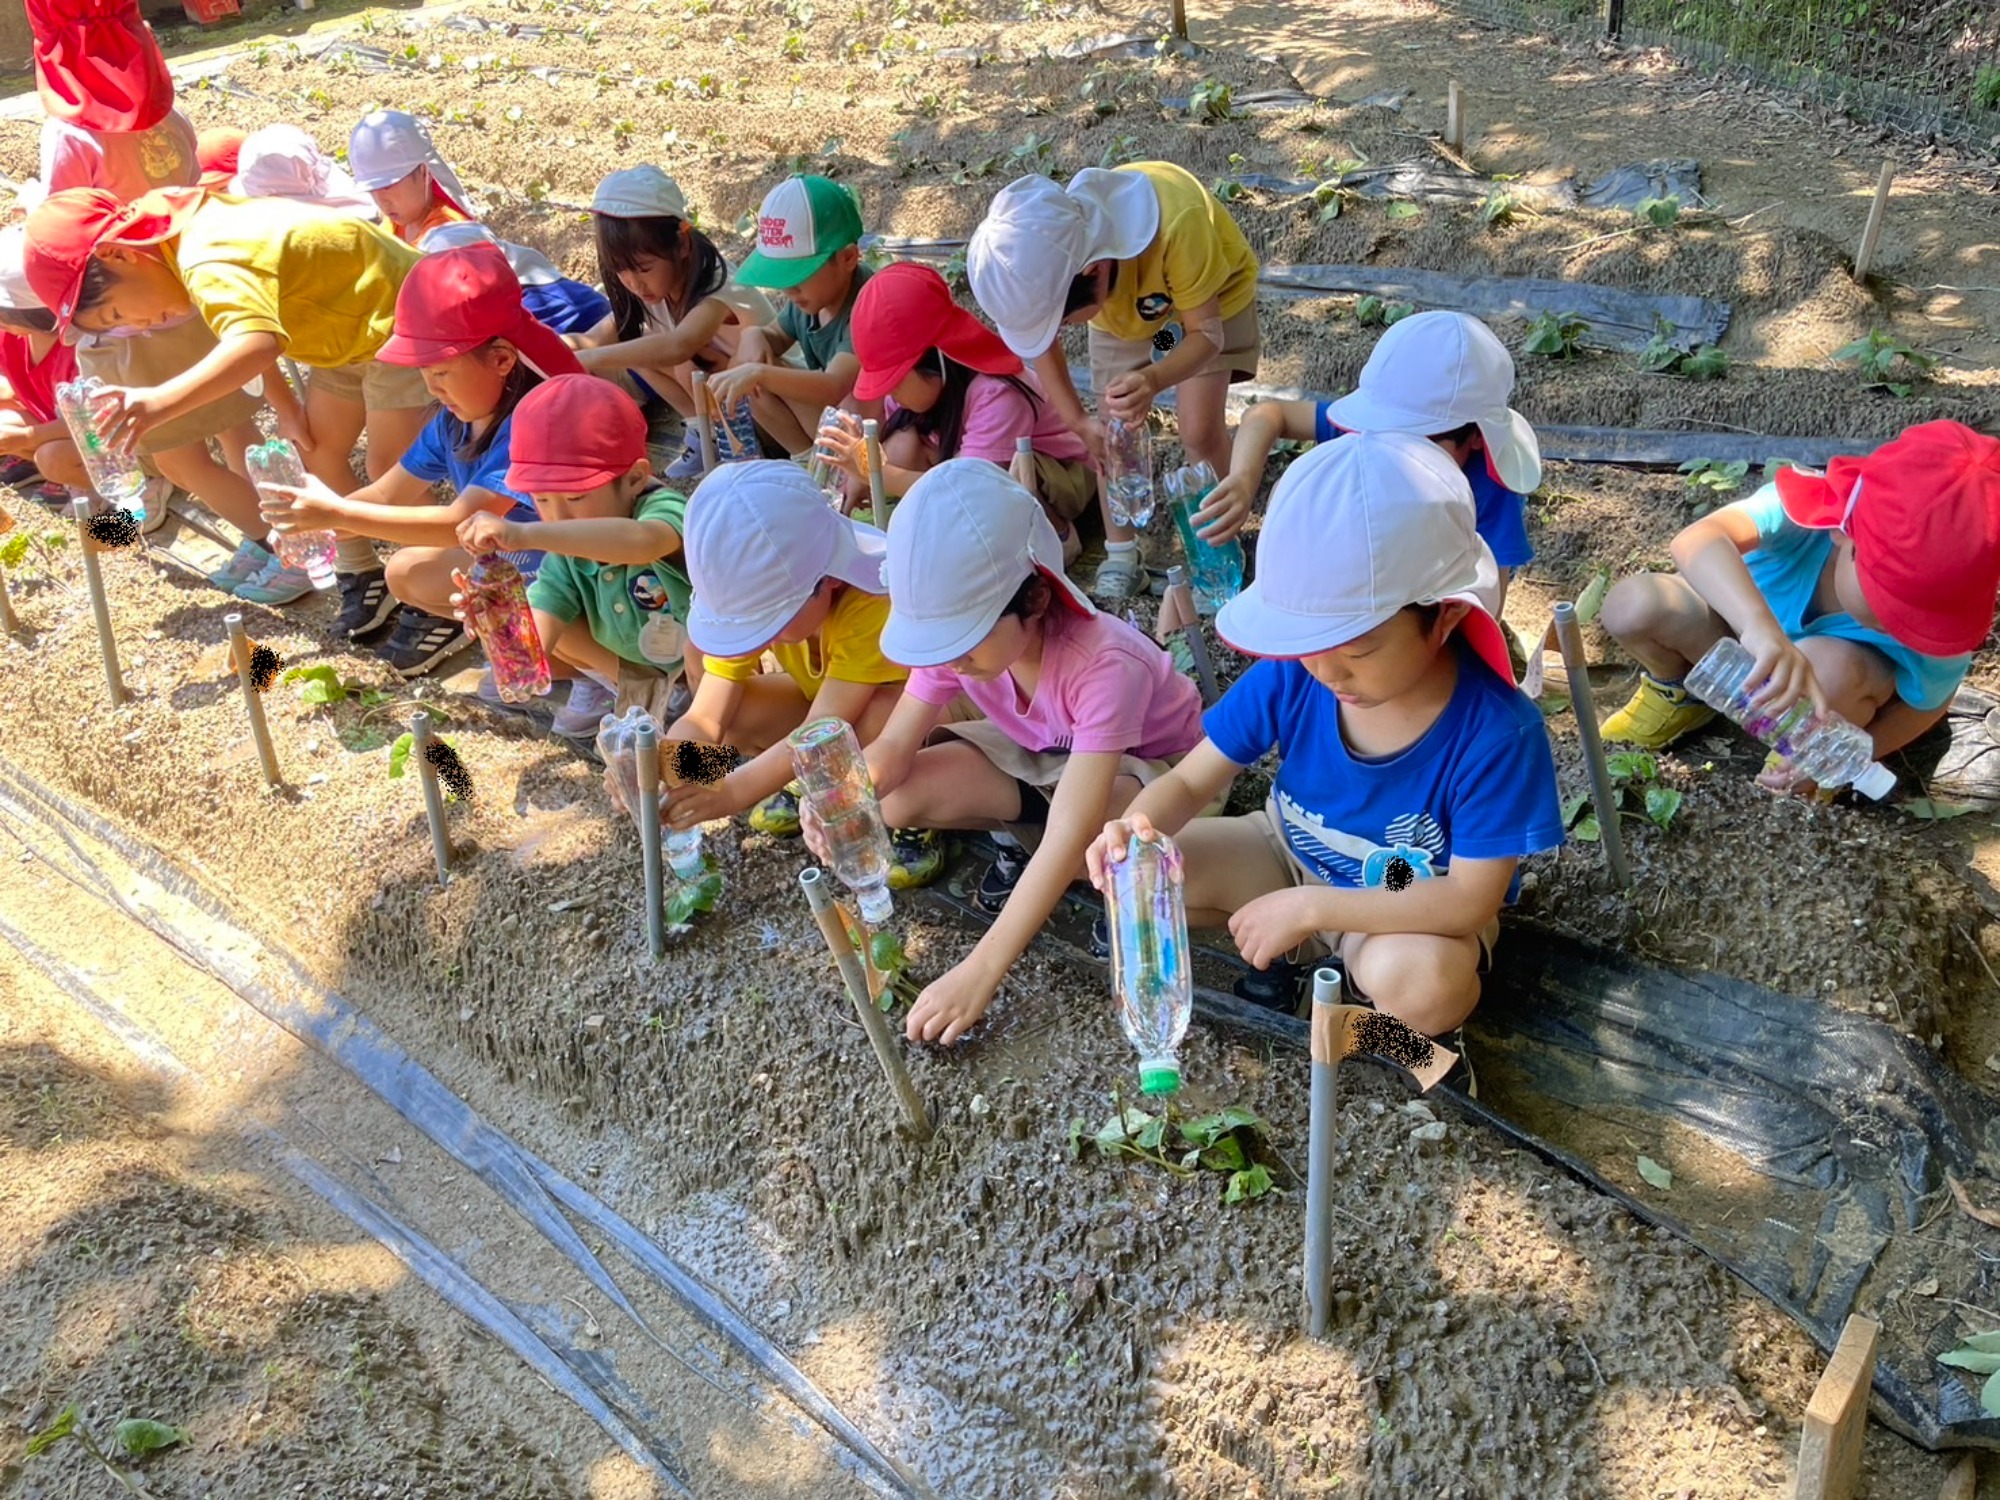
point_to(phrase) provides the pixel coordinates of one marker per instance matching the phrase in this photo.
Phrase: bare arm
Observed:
(1710, 556)
(1228, 505)
(661, 351)
(233, 363)
(608, 539)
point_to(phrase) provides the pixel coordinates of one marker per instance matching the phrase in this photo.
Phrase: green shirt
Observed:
(636, 611)
(819, 342)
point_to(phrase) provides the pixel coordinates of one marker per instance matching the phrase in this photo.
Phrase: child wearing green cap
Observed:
(808, 247)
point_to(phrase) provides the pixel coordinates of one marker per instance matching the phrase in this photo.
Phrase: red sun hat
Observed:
(97, 65)
(905, 309)
(456, 300)
(216, 149)
(66, 228)
(573, 434)
(1923, 511)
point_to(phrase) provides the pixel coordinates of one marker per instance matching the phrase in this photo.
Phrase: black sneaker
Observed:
(420, 641)
(365, 604)
(1278, 988)
(20, 473)
(998, 883)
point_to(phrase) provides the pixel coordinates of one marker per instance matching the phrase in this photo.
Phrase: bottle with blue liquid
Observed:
(1215, 571)
(1151, 976)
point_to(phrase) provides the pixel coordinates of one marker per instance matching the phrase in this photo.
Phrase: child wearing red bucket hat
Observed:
(1413, 776)
(461, 324)
(952, 389)
(1865, 589)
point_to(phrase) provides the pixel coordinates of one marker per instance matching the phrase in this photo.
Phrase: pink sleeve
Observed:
(71, 158)
(1108, 696)
(995, 415)
(933, 685)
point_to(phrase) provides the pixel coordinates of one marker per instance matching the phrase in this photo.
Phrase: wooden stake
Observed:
(854, 977)
(1603, 795)
(1180, 19)
(9, 621)
(1454, 117)
(1864, 258)
(1837, 1416)
(253, 702)
(427, 777)
(878, 496)
(1962, 1483)
(704, 424)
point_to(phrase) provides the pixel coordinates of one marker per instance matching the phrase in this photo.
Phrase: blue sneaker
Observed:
(275, 584)
(249, 560)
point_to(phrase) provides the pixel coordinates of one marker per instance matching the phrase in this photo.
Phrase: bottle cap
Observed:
(1876, 782)
(876, 905)
(1159, 1075)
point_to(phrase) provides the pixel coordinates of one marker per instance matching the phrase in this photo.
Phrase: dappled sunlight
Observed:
(619, 1478)
(1500, 1243)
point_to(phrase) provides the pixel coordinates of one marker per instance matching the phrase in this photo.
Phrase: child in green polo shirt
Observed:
(808, 247)
(612, 534)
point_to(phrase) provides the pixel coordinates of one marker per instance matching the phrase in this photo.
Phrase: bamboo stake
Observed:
(855, 977)
(253, 701)
(100, 607)
(1864, 258)
(427, 776)
(1603, 796)
(1180, 19)
(1179, 599)
(646, 748)
(704, 425)
(9, 621)
(1454, 117)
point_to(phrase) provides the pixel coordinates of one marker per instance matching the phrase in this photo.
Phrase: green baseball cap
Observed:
(803, 221)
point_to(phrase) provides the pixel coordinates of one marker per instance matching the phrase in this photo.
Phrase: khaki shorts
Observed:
(378, 387)
(1040, 769)
(1241, 345)
(1066, 488)
(153, 359)
(651, 689)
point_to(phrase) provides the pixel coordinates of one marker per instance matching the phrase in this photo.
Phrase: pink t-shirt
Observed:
(123, 163)
(1104, 688)
(996, 414)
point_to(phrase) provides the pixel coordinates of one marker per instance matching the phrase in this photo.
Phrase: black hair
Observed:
(1034, 598)
(944, 423)
(1083, 290)
(97, 284)
(623, 243)
(1427, 615)
(27, 320)
(1465, 432)
(468, 442)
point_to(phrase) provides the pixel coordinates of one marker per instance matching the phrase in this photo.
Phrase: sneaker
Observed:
(916, 856)
(275, 584)
(778, 813)
(736, 439)
(1461, 1079)
(365, 604)
(1657, 714)
(688, 465)
(1280, 987)
(20, 473)
(998, 883)
(157, 493)
(420, 641)
(589, 702)
(1119, 576)
(244, 564)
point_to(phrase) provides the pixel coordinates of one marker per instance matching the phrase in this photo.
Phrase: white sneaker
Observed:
(588, 703)
(159, 490)
(1120, 576)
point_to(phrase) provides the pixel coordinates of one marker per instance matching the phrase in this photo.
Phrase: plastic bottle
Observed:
(278, 463)
(1128, 472)
(496, 606)
(113, 472)
(618, 748)
(1150, 956)
(1215, 573)
(1827, 749)
(827, 761)
(821, 469)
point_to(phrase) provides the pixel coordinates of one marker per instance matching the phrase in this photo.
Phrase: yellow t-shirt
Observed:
(1199, 253)
(324, 282)
(848, 648)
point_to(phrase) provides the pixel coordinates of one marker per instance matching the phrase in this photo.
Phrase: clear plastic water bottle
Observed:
(1215, 573)
(1150, 973)
(1828, 749)
(822, 470)
(113, 472)
(682, 847)
(277, 463)
(1128, 472)
(496, 606)
(826, 758)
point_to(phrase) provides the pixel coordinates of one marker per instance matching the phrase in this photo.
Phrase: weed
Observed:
(1035, 154)
(1556, 335)
(1224, 1142)
(1212, 100)
(1881, 357)
(1632, 772)
(1712, 481)
(1401, 210)
(1658, 213)
(134, 1437)
(1105, 87)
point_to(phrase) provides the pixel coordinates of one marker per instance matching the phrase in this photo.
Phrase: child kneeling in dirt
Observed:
(1864, 589)
(1080, 710)
(1440, 375)
(777, 569)
(610, 538)
(1413, 775)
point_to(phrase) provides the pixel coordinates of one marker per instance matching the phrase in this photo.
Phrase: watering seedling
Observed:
(1881, 357)
(1634, 772)
(1225, 1143)
(1556, 336)
(134, 1437)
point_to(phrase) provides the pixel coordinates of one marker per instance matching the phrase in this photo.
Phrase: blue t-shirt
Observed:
(1479, 784)
(1502, 514)
(1786, 567)
(433, 458)
(566, 306)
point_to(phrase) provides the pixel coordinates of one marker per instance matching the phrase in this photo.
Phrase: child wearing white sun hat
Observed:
(1081, 709)
(1413, 775)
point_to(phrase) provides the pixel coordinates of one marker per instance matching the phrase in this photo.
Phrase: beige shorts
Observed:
(1241, 345)
(153, 359)
(648, 688)
(1040, 769)
(1066, 488)
(378, 387)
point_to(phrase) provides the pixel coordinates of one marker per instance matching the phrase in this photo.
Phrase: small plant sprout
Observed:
(1212, 100)
(1225, 1142)
(1658, 213)
(1229, 189)
(135, 1437)
(1122, 149)
(1635, 775)
(1712, 481)
(1556, 336)
(1375, 312)
(1500, 208)
(1036, 154)
(1333, 195)
(1886, 363)
(1662, 356)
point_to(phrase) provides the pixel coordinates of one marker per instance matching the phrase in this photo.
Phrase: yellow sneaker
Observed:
(1658, 714)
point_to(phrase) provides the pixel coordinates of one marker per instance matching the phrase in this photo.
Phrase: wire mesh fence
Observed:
(1917, 65)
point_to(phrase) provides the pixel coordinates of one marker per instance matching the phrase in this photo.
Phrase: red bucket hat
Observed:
(456, 300)
(905, 309)
(572, 434)
(1924, 514)
(97, 65)
(67, 227)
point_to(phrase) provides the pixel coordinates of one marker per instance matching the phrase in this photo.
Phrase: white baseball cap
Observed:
(283, 161)
(1356, 530)
(642, 192)
(760, 537)
(388, 145)
(531, 267)
(1439, 370)
(962, 541)
(1037, 235)
(15, 293)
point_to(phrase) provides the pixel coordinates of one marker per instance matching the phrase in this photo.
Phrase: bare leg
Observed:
(390, 432)
(1427, 981)
(1663, 624)
(1199, 402)
(215, 485)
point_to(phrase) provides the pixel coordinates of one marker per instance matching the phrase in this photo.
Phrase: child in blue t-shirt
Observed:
(1866, 589)
(1413, 776)
(1440, 375)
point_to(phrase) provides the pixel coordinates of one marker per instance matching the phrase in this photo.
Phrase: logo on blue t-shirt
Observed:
(1415, 851)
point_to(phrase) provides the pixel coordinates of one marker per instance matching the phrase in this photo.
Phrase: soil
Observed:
(1003, 1318)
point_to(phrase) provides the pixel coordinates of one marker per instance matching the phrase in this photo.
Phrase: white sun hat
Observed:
(283, 161)
(388, 145)
(641, 192)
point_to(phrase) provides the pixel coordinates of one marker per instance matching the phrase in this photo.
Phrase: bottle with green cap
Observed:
(1150, 974)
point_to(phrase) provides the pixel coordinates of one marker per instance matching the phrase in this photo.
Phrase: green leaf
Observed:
(1226, 1155)
(139, 1436)
(321, 685)
(1401, 210)
(1989, 1398)
(1119, 1130)
(1330, 209)
(885, 951)
(1662, 802)
(1706, 363)
(1251, 1183)
(399, 754)
(1930, 809)
(1572, 806)
(1203, 1132)
(1591, 600)
(1658, 213)
(1552, 704)
(14, 550)
(1985, 1343)
(1395, 312)
(1978, 1362)
(1631, 765)
(1587, 829)
(1368, 310)
(1655, 1174)
(1154, 1134)
(1859, 349)
(1659, 356)
(1076, 1133)
(693, 896)
(1236, 1117)
(52, 1434)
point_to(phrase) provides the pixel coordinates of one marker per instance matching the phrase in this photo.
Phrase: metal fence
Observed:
(1916, 65)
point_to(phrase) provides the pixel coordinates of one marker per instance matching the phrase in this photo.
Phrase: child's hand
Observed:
(1225, 510)
(813, 831)
(1109, 846)
(463, 585)
(483, 532)
(733, 385)
(1271, 926)
(840, 443)
(129, 415)
(310, 507)
(686, 806)
(1785, 671)
(949, 1007)
(1090, 432)
(1130, 396)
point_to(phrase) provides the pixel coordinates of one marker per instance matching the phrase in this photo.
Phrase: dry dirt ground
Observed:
(1005, 1319)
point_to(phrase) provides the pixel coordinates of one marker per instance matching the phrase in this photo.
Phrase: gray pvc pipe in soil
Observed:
(100, 607)
(646, 749)
(427, 777)
(1319, 1158)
